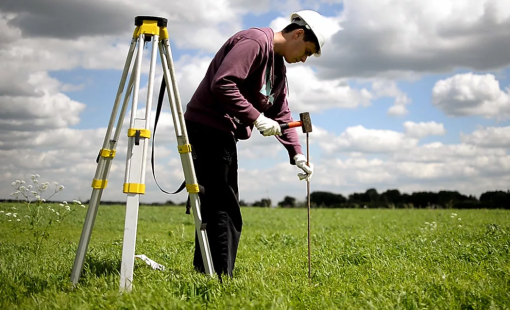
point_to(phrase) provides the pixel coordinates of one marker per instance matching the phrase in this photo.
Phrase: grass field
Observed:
(361, 259)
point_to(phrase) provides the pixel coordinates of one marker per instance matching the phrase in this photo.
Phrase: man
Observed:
(244, 87)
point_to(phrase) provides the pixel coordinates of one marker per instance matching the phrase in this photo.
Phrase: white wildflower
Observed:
(27, 216)
(68, 208)
(57, 213)
(2, 211)
(64, 202)
(61, 188)
(8, 214)
(22, 182)
(43, 200)
(37, 176)
(61, 204)
(18, 220)
(22, 188)
(460, 219)
(13, 184)
(29, 187)
(37, 197)
(15, 214)
(77, 202)
(82, 206)
(14, 208)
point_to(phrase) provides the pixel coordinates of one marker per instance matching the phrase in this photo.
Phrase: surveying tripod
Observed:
(153, 29)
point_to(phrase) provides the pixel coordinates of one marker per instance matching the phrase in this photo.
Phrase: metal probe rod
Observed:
(308, 197)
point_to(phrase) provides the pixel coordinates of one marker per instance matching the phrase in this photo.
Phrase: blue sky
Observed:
(427, 63)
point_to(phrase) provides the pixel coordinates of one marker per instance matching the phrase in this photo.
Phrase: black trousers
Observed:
(215, 161)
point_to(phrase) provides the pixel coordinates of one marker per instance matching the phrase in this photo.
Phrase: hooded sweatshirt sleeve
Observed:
(244, 57)
(281, 113)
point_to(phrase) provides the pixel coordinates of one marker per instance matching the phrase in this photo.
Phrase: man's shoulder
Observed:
(263, 36)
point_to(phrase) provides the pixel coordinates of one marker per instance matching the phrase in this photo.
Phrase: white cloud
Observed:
(471, 94)
(384, 88)
(438, 152)
(259, 147)
(360, 139)
(491, 137)
(52, 139)
(397, 110)
(190, 72)
(422, 129)
(393, 38)
(48, 108)
(279, 23)
(308, 92)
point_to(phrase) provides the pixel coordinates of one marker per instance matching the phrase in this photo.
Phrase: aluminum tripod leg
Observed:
(102, 170)
(185, 151)
(134, 184)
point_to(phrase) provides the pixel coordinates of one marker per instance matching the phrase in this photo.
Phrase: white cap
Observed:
(313, 21)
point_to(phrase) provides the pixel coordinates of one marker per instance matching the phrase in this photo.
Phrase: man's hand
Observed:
(267, 126)
(300, 160)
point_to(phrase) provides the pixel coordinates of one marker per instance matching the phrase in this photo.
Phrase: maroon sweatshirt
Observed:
(245, 78)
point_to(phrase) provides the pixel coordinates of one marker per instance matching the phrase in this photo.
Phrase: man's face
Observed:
(297, 49)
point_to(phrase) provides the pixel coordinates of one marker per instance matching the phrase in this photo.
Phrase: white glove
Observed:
(300, 160)
(267, 126)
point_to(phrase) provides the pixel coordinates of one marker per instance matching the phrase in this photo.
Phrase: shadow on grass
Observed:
(100, 266)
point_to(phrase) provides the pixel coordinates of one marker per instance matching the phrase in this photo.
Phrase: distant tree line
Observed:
(394, 199)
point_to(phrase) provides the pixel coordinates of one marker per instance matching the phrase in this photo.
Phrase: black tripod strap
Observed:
(158, 112)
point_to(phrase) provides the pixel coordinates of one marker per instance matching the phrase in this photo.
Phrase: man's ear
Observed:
(298, 33)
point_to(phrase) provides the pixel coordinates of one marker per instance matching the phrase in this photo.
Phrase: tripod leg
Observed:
(100, 179)
(185, 152)
(135, 171)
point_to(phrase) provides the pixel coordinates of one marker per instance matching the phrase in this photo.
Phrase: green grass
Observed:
(361, 259)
